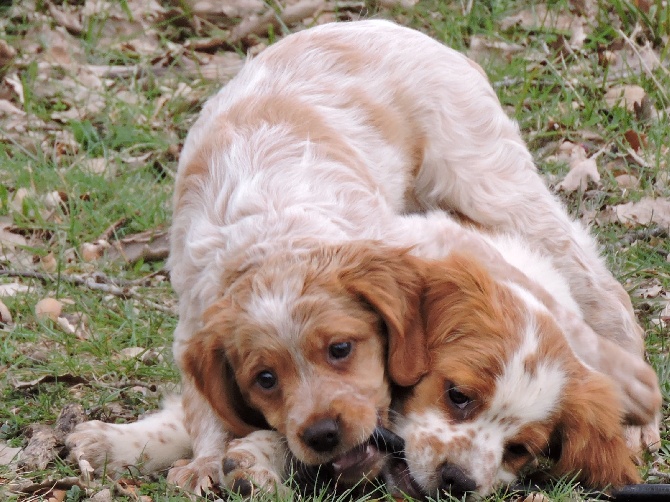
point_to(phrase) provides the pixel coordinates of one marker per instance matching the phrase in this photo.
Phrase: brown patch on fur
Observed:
(592, 437)
(344, 57)
(393, 287)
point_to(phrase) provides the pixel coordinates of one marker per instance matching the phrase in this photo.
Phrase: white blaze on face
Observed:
(273, 307)
(528, 390)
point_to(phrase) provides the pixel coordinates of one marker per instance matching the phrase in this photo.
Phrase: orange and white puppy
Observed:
(504, 388)
(365, 131)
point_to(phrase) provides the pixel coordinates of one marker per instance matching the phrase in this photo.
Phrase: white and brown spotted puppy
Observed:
(330, 139)
(503, 389)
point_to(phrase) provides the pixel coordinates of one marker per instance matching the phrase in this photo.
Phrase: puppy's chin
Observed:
(399, 481)
(354, 470)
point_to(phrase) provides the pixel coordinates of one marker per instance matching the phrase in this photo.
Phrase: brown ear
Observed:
(205, 361)
(591, 436)
(392, 283)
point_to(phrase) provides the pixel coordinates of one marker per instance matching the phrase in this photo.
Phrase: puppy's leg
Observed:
(256, 462)
(148, 445)
(209, 440)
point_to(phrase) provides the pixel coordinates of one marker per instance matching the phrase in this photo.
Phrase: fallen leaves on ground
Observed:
(646, 211)
(583, 169)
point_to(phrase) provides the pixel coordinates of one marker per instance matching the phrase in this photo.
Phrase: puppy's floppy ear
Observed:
(392, 282)
(205, 361)
(590, 434)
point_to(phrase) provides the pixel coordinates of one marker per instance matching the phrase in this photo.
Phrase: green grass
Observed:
(554, 94)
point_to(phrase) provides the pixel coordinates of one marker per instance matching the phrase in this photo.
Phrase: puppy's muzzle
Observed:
(455, 481)
(322, 436)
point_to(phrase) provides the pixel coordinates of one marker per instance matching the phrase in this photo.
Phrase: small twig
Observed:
(658, 474)
(110, 230)
(91, 282)
(129, 383)
(290, 15)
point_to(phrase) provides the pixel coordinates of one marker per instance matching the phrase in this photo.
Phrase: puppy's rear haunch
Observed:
(328, 143)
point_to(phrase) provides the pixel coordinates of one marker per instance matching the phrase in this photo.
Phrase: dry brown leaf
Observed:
(626, 181)
(55, 46)
(98, 165)
(635, 139)
(219, 67)
(228, 11)
(48, 308)
(258, 25)
(146, 356)
(483, 49)
(41, 448)
(539, 17)
(70, 20)
(5, 314)
(92, 251)
(626, 96)
(57, 495)
(12, 288)
(104, 495)
(643, 212)
(582, 170)
(75, 324)
(151, 245)
(650, 290)
(390, 4)
(664, 315)
(9, 455)
(29, 487)
(17, 200)
(7, 108)
(31, 384)
(662, 181)
(49, 263)
(7, 53)
(9, 239)
(632, 60)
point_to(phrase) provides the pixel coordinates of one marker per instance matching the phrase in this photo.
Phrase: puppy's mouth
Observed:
(364, 461)
(367, 459)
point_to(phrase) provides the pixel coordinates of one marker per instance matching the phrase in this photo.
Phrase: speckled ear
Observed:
(590, 435)
(392, 282)
(205, 361)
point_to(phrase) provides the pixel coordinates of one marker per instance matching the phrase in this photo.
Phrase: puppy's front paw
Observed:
(256, 462)
(643, 439)
(198, 475)
(91, 445)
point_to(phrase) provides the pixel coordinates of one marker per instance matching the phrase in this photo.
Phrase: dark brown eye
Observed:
(339, 350)
(457, 398)
(266, 379)
(516, 450)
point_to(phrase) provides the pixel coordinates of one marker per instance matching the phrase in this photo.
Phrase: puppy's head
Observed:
(300, 344)
(503, 389)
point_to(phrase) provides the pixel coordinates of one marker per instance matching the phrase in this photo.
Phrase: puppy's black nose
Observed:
(455, 481)
(322, 436)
